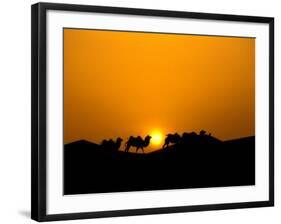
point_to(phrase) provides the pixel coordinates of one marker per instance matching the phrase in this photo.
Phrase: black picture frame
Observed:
(38, 108)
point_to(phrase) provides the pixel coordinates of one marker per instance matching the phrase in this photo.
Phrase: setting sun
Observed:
(157, 138)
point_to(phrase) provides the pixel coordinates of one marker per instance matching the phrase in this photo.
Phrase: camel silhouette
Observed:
(202, 138)
(137, 142)
(171, 138)
(186, 135)
(190, 138)
(202, 133)
(111, 145)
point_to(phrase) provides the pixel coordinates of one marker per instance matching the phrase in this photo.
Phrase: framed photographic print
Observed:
(141, 111)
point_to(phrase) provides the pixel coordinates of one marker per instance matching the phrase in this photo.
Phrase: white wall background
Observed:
(15, 110)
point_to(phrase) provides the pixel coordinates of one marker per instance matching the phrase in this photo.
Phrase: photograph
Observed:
(146, 111)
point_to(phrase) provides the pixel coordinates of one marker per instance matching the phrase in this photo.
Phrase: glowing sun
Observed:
(156, 138)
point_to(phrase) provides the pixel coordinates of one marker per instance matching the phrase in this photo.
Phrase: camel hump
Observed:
(130, 138)
(202, 132)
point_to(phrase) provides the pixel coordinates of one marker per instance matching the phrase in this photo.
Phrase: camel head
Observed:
(147, 140)
(118, 141)
(148, 137)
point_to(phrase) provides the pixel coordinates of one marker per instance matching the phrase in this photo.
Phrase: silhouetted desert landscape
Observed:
(189, 161)
(134, 104)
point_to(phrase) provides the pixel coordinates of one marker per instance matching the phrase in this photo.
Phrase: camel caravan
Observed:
(138, 142)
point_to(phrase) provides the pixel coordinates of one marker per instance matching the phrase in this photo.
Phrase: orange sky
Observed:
(131, 83)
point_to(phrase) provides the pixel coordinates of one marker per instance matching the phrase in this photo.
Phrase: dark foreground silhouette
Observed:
(137, 142)
(195, 162)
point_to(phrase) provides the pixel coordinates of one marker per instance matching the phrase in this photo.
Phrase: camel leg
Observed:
(127, 148)
(137, 149)
(142, 150)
